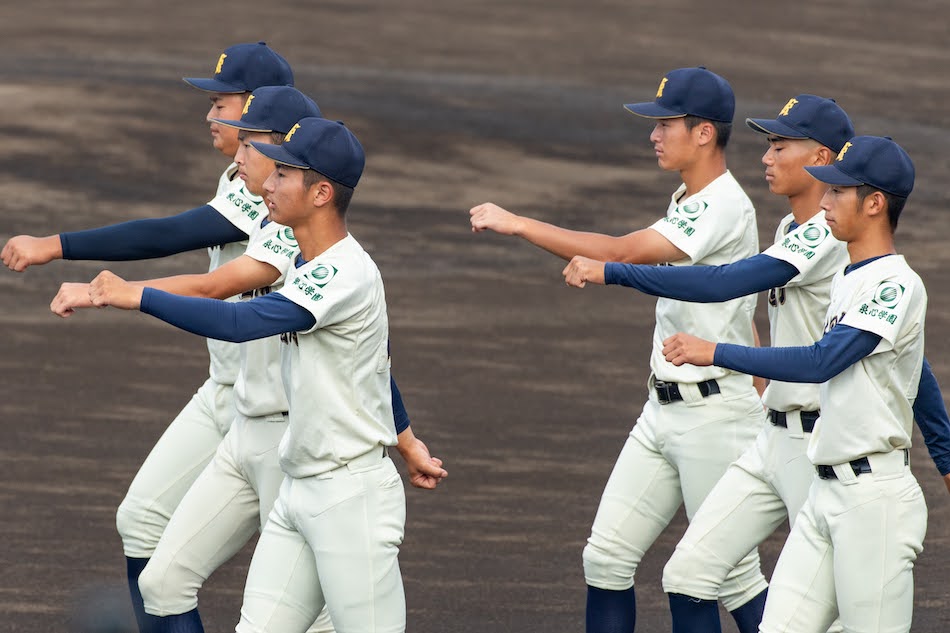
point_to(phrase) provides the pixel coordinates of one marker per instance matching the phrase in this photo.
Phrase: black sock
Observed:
(611, 611)
(184, 623)
(147, 623)
(693, 615)
(748, 617)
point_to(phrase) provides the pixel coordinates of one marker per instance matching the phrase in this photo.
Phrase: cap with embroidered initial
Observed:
(690, 91)
(244, 68)
(324, 146)
(808, 116)
(870, 160)
(274, 109)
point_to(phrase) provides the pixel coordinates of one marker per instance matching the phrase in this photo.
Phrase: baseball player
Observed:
(851, 551)
(333, 535)
(222, 226)
(771, 479)
(695, 422)
(234, 494)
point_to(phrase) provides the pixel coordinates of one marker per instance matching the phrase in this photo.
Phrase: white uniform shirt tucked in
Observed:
(337, 373)
(243, 210)
(796, 310)
(259, 390)
(713, 226)
(867, 408)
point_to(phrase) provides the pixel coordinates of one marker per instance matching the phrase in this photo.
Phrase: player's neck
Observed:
(321, 231)
(806, 204)
(872, 243)
(704, 171)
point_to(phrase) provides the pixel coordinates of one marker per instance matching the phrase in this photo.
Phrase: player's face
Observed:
(674, 145)
(842, 212)
(286, 197)
(253, 167)
(225, 106)
(785, 161)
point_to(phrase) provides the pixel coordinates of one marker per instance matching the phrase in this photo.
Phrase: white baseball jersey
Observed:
(713, 226)
(259, 389)
(867, 408)
(242, 209)
(796, 310)
(337, 373)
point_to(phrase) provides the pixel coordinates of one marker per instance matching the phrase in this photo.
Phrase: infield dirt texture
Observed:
(525, 387)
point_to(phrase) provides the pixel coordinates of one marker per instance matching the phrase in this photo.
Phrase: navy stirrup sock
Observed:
(611, 611)
(748, 617)
(693, 615)
(184, 623)
(147, 623)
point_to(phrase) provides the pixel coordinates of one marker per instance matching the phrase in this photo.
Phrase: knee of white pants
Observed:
(743, 583)
(686, 575)
(168, 588)
(607, 568)
(140, 526)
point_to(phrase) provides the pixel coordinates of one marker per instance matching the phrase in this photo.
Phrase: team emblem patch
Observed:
(286, 235)
(247, 104)
(788, 106)
(291, 133)
(217, 69)
(659, 91)
(844, 150)
(692, 210)
(811, 235)
(322, 274)
(888, 294)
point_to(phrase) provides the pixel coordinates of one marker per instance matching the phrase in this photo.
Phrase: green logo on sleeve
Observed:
(692, 210)
(811, 235)
(888, 294)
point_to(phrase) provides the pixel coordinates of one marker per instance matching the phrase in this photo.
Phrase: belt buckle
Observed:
(662, 392)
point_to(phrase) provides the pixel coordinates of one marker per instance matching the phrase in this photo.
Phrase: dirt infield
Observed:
(526, 388)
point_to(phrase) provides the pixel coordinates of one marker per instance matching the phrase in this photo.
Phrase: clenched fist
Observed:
(24, 251)
(70, 297)
(108, 289)
(490, 216)
(581, 270)
(681, 349)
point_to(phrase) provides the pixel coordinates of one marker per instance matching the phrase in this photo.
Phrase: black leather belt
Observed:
(778, 418)
(859, 466)
(667, 392)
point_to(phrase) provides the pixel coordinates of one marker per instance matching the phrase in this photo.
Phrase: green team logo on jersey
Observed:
(322, 274)
(811, 235)
(286, 235)
(692, 210)
(888, 294)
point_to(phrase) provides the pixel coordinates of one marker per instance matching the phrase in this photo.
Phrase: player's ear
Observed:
(706, 133)
(823, 156)
(322, 193)
(875, 205)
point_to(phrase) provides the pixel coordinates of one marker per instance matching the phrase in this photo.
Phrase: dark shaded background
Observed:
(526, 388)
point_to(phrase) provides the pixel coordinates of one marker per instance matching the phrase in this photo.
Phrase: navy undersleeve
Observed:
(703, 284)
(837, 350)
(930, 413)
(157, 237)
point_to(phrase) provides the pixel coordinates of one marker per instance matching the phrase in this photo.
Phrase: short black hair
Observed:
(723, 129)
(895, 204)
(341, 193)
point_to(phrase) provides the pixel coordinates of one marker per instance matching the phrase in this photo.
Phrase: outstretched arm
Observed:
(646, 246)
(837, 350)
(701, 284)
(238, 276)
(137, 239)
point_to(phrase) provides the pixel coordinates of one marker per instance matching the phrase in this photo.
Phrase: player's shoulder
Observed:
(722, 195)
(888, 280)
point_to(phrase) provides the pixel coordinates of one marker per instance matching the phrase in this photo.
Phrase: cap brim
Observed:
(212, 85)
(241, 125)
(774, 127)
(831, 175)
(278, 154)
(651, 110)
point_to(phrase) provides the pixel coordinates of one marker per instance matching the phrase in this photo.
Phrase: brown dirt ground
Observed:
(527, 389)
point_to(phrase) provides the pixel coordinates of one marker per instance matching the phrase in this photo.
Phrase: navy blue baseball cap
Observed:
(245, 68)
(274, 109)
(690, 92)
(808, 116)
(324, 146)
(870, 160)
